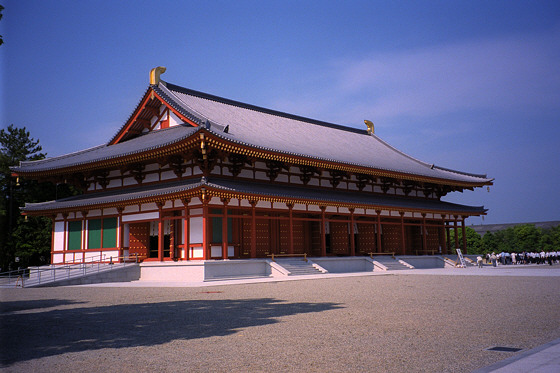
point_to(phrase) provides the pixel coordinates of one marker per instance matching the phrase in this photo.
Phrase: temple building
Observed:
(193, 176)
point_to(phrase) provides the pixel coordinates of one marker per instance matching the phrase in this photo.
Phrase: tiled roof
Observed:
(312, 195)
(289, 134)
(146, 142)
(263, 129)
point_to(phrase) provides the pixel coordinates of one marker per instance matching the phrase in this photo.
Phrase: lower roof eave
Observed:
(252, 191)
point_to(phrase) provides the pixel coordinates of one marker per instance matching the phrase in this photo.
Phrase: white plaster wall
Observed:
(195, 231)
(58, 258)
(195, 211)
(263, 204)
(167, 175)
(129, 181)
(196, 252)
(149, 207)
(314, 182)
(141, 217)
(215, 251)
(294, 179)
(314, 208)
(131, 208)
(330, 209)
(58, 235)
(94, 213)
(246, 173)
(151, 167)
(126, 235)
(188, 172)
(282, 178)
(260, 175)
(174, 120)
(299, 207)
(325, 183)
(151, 177)
(110, 211)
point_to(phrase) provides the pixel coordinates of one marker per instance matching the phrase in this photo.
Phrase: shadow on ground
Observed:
(33, 335)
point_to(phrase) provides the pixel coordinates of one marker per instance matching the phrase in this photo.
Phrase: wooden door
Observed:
(139, 239)
(339, 239)
(367, 239)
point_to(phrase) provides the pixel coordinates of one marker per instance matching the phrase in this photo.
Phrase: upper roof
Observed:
(259, 128)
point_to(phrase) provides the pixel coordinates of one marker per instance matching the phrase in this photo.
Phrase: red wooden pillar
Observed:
(120, 241)
(379, 249)
(186, 238)
(253, 229)
(352, 241)
(225, 230)
(424, 238)
(65, 236)
(442, 236)
(291, 230)
(323, 233)
(205, 230)
(456, 228)
(53, 225)
(84, 230)
(160, 231)
(401, 213)
(464, 231)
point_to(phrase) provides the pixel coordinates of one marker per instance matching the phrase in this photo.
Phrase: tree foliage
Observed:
(523, 237)
(17, 145)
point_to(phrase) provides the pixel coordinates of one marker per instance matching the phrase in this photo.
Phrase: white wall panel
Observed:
(195, 230)
(141, 217)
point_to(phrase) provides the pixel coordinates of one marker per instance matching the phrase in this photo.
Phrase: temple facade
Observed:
(192, 176)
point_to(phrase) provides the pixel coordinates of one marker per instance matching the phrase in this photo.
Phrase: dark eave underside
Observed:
(260, 191)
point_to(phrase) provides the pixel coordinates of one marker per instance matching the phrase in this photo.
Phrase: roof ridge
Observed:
(227, 101)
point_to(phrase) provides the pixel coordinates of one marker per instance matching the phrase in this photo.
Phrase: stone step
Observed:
(297, 267)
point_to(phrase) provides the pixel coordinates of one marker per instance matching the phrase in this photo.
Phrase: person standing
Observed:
(479, 261)
(493, 259)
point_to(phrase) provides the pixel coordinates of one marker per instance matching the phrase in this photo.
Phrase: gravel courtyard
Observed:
(388, 323)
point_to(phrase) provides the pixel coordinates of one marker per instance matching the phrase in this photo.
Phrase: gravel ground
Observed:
(390, 323)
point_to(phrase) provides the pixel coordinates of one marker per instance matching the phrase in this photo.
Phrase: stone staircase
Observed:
(298, 266)
(391, 264)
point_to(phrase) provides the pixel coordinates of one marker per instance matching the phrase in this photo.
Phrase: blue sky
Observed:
(468, 85)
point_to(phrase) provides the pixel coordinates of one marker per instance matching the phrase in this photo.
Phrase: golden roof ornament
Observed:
(155, 73)
(370, 128)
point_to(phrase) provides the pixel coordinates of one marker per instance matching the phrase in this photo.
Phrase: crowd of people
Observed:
(503, 258)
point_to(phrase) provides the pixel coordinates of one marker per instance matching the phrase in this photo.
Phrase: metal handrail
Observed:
(287, 255)
(93, 265)
(392, 254)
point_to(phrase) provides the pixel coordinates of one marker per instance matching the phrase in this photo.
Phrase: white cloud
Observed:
(514, 74)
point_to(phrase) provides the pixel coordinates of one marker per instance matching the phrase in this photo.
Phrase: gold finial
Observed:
(369, 125)
(155, 73)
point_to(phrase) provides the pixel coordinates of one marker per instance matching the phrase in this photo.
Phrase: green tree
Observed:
(527, 238)
(489, 243)
(16, 145)
(474, 241)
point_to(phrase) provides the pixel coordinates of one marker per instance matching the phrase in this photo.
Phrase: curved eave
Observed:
(262, 192)
(228, 144)
(114, 161)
